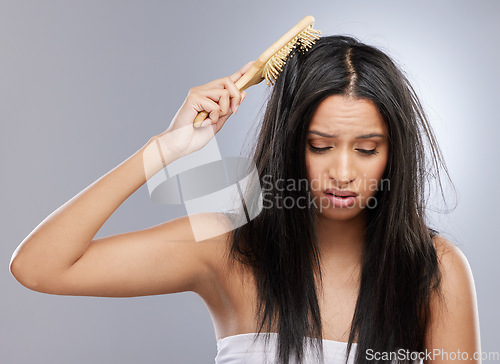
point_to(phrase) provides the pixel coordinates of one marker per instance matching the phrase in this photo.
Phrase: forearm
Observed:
(62, 238)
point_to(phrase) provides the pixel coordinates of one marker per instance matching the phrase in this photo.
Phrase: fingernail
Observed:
(236, 109)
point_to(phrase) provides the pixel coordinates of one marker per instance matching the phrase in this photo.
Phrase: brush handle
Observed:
(251, 77)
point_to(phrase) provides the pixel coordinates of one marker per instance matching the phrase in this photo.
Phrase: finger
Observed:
(224, 102)
(214, 115)
(237, 75)
(201, 103)
(226, 83)
(220, 96)
(234, 92)
(219, 83)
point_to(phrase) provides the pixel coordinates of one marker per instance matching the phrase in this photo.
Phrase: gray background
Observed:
(84, 84)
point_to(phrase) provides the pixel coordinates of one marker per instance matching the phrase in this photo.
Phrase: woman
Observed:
(350, 261)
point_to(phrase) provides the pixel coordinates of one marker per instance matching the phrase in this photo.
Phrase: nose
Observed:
(342, 171)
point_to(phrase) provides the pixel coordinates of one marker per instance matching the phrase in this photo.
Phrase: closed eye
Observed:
(319, 150)
(363, 151)
(368, 151)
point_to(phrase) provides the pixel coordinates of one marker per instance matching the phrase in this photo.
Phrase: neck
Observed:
(342, 241)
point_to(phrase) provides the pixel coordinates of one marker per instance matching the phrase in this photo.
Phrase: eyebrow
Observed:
(364, 136)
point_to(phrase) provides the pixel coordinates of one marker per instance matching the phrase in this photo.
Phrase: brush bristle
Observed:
(304, 40)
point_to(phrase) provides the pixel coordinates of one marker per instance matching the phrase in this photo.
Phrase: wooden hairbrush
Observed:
(270, 63)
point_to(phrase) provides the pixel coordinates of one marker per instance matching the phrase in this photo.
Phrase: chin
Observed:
(340, 214)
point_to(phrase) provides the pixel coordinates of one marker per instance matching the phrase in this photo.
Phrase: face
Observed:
(346, 155)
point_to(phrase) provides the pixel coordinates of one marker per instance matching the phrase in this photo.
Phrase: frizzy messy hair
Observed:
(399, 265)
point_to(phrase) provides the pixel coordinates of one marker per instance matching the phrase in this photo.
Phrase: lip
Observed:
(343, 202)
(340, 193)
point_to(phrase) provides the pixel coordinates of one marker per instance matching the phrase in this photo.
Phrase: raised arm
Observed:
(61, 256)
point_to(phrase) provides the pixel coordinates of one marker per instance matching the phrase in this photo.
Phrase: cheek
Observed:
(374, 173)
(314, 174)
(314, 169)
(382, 166)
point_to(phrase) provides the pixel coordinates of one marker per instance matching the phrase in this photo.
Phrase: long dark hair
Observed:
(399, 271)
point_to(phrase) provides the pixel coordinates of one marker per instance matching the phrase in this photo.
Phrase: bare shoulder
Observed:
(453, 265)
(454, 323)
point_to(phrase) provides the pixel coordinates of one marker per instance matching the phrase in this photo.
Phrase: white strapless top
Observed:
(238, 349)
